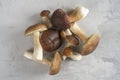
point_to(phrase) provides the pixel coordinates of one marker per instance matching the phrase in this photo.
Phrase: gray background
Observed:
(102, 64)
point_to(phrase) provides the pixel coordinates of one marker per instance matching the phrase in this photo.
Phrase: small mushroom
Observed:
(45, 17)
(78, 13)
(55, 66)
(29, 54)
(34, 29)
(89, 44)
(71, 40)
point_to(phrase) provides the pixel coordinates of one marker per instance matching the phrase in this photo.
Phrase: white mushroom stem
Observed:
(28, 54)
(68, 52)
(79, 32)
(38, 51)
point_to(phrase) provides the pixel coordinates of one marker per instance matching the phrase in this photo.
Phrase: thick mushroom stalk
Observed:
(38, 51)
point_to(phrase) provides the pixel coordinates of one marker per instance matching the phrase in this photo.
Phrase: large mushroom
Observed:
(35, 30)
(89, 44)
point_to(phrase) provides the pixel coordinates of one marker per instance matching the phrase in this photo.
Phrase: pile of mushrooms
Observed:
(56, 30)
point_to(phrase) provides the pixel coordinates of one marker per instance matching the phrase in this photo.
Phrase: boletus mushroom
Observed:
(89, 44)
(35, 30)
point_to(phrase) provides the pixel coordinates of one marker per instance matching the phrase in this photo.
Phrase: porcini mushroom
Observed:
(29, 54)
(71, 40)
(78, 13)
(35, 30)
(89, 44)
(55, 66)
(45, 17)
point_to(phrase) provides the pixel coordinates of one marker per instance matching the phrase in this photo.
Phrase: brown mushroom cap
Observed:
(35, 28)
(44, 13)
(90, 45)
(55, 64)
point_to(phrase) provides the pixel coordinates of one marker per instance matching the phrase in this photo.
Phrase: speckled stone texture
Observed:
(102, 64)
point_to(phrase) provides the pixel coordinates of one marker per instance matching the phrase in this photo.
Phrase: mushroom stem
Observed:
(38, 51)
(77, 31)
(29, 54)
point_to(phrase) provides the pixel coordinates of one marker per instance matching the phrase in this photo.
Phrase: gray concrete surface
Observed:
(102, 64)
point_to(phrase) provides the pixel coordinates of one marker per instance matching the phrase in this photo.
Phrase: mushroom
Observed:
(29, 54)
(34, 29)
(45, 17)
(78, 13)
(55, 66)
(71, 40)
(89, 43)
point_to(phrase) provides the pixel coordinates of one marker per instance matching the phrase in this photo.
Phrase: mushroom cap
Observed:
(44, 13)
(35, 28)
(90, 45)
